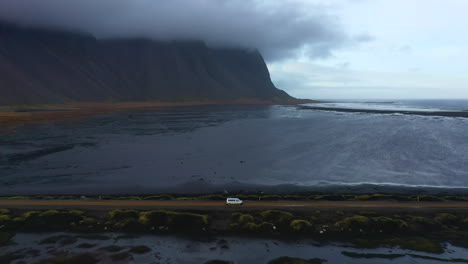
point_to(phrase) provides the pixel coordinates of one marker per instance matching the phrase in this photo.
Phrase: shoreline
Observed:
(15, 115)
(362, 227)
(195, 188)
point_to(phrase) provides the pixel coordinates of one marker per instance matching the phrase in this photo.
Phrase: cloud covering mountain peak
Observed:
(279, 29)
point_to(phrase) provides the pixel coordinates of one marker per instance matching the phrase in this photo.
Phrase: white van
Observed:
(234, 201)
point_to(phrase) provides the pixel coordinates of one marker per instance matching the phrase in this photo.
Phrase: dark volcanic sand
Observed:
(212, 148)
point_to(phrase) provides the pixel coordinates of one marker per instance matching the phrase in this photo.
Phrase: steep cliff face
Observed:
(49, 66)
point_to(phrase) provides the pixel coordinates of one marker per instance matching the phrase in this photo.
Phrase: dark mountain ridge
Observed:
(41, 66)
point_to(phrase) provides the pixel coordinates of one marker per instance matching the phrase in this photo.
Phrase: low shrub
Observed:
(363, 197)
(119, 215)
(235, 217)
(300, 225)
(271, 197)
(456, 198)
(277, 217)
(387, 225)
(295, 197)
(428, 198)
(212, 197)
(4, 211)
(159, 197)
(354, 223)
(87, 221)
(127, 198)
(155, 218)
(340, 213)
(383, 197)
(266, 227)
(418, 244)
(445, 218)
(331, 197)
(185, 221)
(251, 227)
(248, 197)
(367, 213)
(245, 218)
(419, 220)
(52, 219)
(189, 221)
(4, 218)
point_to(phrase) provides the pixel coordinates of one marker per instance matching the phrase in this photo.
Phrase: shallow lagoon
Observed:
(171, 249)
(216, 148)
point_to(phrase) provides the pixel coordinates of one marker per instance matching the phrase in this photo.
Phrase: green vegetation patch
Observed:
(456, 198)
(118, 215)
(124, 219)
(52, 219)
(173, 219)
(428, 198)
(383, 197)
(277, 217)
(445, 218)
(332, 197)
(353, 223)
(300, 225)
(159, 197)
(270, 197)
(387, 225)
(4, 218)
(418, 244)
(378, 224)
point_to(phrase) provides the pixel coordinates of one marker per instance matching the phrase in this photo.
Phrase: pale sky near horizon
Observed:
(417, 49)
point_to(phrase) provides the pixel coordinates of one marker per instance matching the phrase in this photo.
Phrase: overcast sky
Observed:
(321, 49)
(419, 49)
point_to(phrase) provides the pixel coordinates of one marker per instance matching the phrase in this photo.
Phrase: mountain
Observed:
(39, 66)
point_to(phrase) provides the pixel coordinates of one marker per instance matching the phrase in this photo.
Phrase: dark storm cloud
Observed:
(278, 29)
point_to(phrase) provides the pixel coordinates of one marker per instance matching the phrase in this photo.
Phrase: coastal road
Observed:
(220, 205)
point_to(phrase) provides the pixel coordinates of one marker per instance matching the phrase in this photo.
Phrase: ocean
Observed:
(402, 146)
